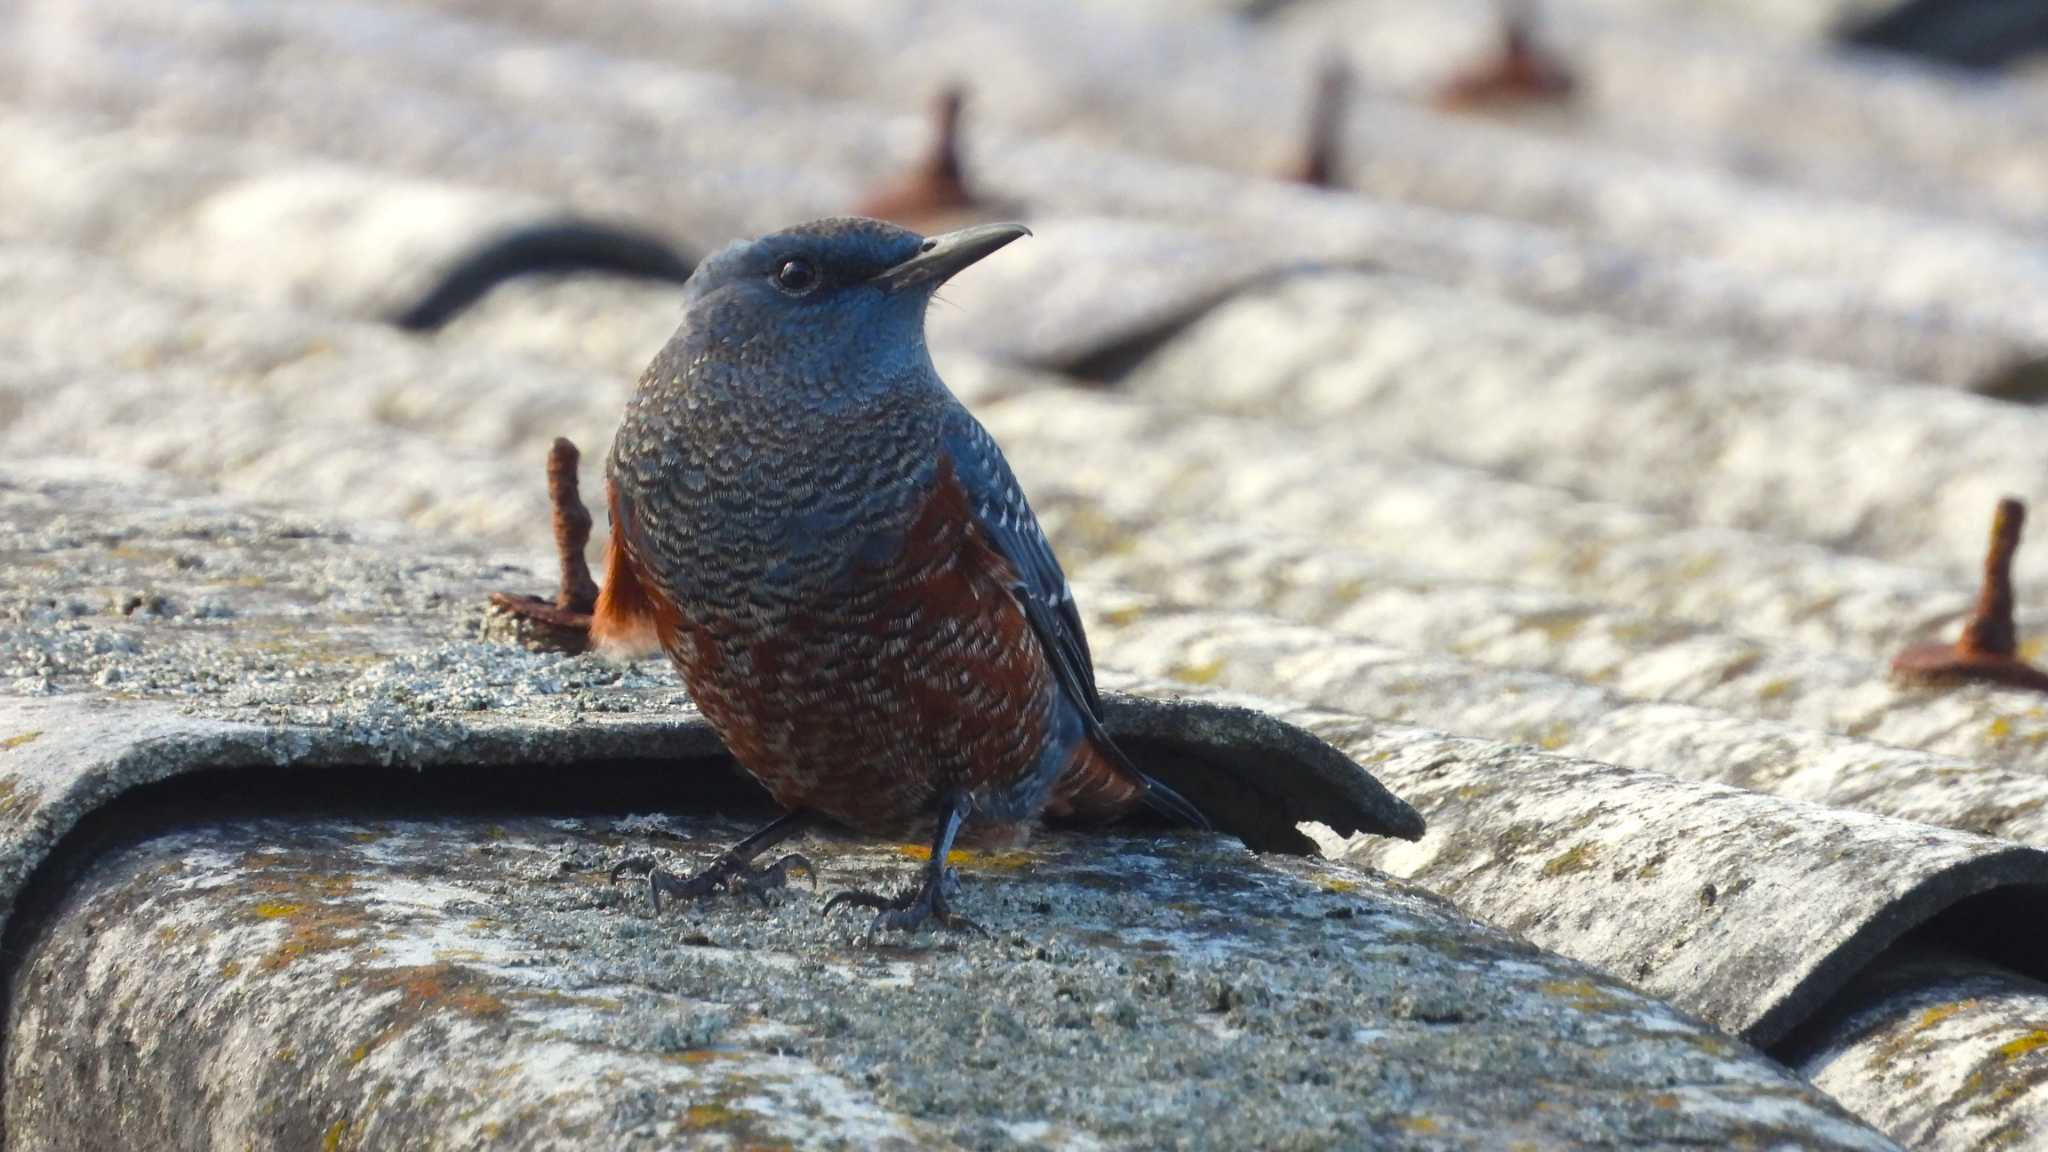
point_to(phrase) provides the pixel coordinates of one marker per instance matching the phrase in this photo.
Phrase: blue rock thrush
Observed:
(836, 556)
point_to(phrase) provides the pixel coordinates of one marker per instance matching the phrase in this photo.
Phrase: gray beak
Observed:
(940, 257)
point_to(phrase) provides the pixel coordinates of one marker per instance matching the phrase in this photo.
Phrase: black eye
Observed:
(796, 277)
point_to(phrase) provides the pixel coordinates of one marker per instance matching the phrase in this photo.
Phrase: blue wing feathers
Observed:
(1006, 519)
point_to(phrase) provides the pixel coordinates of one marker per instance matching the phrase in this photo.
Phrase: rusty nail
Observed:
(936, 186)
(1317, 164)
(1519, 71)
(563, 623)
(1988, 649)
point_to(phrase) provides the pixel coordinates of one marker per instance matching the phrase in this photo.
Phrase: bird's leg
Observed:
(732, 870)
(931, 900)
(564, 622)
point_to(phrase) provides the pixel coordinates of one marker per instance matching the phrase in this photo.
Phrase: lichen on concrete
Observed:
(383, 982)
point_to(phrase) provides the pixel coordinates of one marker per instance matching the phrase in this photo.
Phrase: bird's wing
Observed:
(1007, 522)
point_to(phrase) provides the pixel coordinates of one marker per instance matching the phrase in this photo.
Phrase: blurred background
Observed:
(1762, 264)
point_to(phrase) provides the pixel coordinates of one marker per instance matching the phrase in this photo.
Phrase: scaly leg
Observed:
(930, 900)
(732, 869)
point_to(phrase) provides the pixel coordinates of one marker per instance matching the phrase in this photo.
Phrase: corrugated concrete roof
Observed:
(1575, 471)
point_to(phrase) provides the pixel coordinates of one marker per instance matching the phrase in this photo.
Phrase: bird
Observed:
(838, 560)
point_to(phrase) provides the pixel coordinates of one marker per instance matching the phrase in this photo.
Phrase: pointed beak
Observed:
(940, 257)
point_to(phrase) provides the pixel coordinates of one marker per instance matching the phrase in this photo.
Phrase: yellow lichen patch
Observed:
(14, 798)
(1558, 627)
(1421, 1125)
(1584, 995)
(231, 969)
(1205, 672)
(1937, 1014)
(1002, 861)
(8, 744)
(336, 1133)
(1554, 737)
(1578, 858)
(1334, 884)
(1123, 617)
(310, 928)
(2001, 729)
(1774, 689)
(708, 1116)
(2015, 1049)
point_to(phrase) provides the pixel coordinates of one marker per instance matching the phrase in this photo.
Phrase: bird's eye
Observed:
(796, 277)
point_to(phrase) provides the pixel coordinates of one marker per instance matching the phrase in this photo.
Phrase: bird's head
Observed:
(832, 303)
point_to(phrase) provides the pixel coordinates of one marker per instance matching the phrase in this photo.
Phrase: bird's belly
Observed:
(871, 708)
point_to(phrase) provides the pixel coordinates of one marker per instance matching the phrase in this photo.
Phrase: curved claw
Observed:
(851, 898)
(760, 881)
(908, 912)
(725, 872)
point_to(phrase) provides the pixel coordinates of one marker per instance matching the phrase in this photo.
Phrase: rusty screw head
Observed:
(1988, 649)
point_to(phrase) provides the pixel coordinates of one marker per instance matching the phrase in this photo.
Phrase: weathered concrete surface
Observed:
(1222, 92)
(224, 659)
(1693, 429)
(1469, 524)
(1941, 1052)
(237, 221)
(1749, 910)
(1683, 87)
(686, 148)
(1591, 718)
(400, 982)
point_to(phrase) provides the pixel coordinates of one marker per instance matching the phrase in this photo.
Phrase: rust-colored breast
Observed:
(627, 615)
(868, 703)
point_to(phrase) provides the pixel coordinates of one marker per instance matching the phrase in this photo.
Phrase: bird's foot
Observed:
(729, 873)
(928, 903)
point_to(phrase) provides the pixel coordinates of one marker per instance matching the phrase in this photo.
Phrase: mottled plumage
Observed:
(837, 557)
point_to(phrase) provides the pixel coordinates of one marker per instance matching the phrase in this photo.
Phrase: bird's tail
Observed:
(1103, 784)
